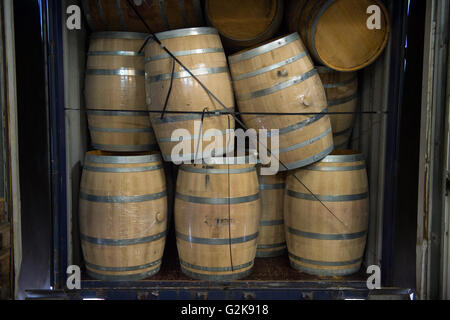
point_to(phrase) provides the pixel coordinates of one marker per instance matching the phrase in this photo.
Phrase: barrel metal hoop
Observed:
(335, 169)
(196, 156)
(264, 49)
(187, 117)
(308, 161)
(121, 130)
(216, 269)
(325, 272)
(214, 277)
(185, 74)
(202, 200)
(123, 199)
(306, 143)
(337, 102)
(188, 138)
(216, 171)
(340, 84)
(120, 35)
(278, 87)
(184, 53)
(271, 223)
(277, 186)
(313, 31)
(321, 236)
(213, 241)
(123, 269)
(122, 242)
(126, 148)
(116, 72)
(270, 68)
(325, 263)
(123, 159)
(185, 33)
(115, 53)
(132, 277)
(270, 254)
(343, 159)
(271, 246)
(112, 113)
(122, 170)
(328, 198)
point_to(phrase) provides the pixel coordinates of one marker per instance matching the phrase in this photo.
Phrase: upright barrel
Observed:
(280, 77)
(243, 24)
(161, 15)
(217, 211)
(342, 95)
(115, 93)
(200, 50)
(271, 240)
(340, 34)
(123, 215)
(326, 215)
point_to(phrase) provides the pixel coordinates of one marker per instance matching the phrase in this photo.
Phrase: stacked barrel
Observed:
(164, 92)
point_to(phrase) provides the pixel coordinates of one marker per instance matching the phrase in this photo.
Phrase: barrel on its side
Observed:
(115, 93)
(200, 50)
(243, 24)
(337, 33)
(326, 227)
(161, 15)
(217, 211)
(271, 240)
(123, 215)
(342, 95)
(280, 77)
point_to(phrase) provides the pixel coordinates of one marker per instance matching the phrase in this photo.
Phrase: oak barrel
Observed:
(326, 226)
(200, 50)
(115, 93)
(280, 77)
(123, 215)
(271, 240)
(244, 23)
(160, 15)
(336, 32)
(342, 94)
(217, 210)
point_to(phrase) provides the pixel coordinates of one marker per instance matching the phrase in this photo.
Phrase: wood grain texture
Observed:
(320, 242)
(280, 77)
(244, 23)
(217, 241)
(123, 215)
(116, 15)
(187, 94)
(112, 96)
(336, 32)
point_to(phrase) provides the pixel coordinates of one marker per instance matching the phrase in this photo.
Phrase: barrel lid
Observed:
(120, 35)
(186, 32)
(275, 44)
(132, 158)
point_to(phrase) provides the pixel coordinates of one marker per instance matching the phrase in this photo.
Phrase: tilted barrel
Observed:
(342, 95)
(123, 215)
(160, 15)
(340, 34)
(271, 240)
(243, 24)
(326, 215)
(115, 93)
(217, 211)
(200, 50)
(280, 77)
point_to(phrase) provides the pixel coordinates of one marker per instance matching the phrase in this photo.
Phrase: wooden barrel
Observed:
(217, 210)
(200, 50)
(244, 23)
(160, 15)
(271, 241)
(326, 232)
(123, 215)
(280, 77)
(115, 93)
(336, 31)
(342, 95)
